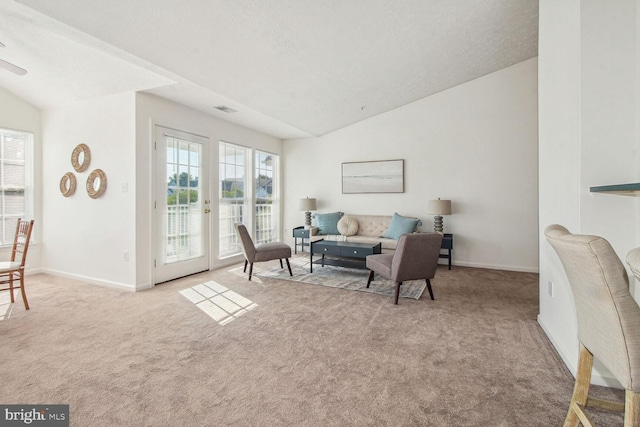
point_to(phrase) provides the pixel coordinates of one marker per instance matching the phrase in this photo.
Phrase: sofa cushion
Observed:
(348, 226)
(372, 225)
(386, 243)
(328, 222)
(400, 225)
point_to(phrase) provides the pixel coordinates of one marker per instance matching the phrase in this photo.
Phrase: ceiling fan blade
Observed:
(13, 68)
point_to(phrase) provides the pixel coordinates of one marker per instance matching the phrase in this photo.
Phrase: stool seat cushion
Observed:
(9, 266)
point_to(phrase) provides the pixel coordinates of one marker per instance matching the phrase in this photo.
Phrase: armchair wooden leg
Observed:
(289, 266)
(245, 266)
(576, 413)
(281, 266)
(250, 270)
(429, 288)
(398, 284)
(24, 293)
(370, 278)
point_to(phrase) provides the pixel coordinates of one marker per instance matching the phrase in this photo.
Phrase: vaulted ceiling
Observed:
(291, 68)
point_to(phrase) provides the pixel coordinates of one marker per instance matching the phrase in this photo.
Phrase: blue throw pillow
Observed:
(400, 225)
(328, 223)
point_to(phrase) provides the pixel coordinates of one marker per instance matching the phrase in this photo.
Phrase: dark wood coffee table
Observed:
(344, 254)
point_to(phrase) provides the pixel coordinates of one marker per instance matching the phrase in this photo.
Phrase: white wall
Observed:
(588, 120)
(152, 110)
(85, 238)
(19, 115)
(475, 144)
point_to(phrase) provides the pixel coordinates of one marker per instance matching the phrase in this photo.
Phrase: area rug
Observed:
(335, 277)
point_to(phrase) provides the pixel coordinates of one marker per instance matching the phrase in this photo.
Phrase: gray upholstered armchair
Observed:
(608, 320)
(264, 252)
(416, 257)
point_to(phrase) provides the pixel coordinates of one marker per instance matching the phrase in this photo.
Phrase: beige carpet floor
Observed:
(298, 355)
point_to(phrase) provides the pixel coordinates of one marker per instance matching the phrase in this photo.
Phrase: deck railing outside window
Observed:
(183, 221)
(265, 222)
(232, 212)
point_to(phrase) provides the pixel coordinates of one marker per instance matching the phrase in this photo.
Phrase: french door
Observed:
(182, 204)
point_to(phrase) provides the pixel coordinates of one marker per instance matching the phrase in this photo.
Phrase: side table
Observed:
(447, 244)
(300, 233)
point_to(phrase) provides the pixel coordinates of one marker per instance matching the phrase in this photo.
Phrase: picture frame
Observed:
(379, 176)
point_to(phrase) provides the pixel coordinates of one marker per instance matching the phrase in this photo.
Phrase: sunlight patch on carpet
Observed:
(220, 303)
(6, 306)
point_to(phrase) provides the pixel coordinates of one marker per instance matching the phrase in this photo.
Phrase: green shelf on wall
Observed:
(632, 190)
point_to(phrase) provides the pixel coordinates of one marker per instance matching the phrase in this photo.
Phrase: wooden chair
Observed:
(264, 252)
(416, 257)
(14, 268)
(608, 322)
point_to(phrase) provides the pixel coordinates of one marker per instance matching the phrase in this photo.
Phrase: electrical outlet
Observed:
(550, 288)
(126, 256)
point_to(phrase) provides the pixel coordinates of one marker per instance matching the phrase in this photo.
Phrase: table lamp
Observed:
(308, 205)
(438, 208)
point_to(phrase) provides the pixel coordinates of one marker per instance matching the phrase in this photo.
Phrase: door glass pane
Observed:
(183, 229)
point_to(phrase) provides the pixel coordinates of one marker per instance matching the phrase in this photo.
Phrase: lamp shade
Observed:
(308, 204)
(439, 207)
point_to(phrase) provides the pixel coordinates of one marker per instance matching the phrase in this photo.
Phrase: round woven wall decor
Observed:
(96, 174)
(81, 164)
(68, 184)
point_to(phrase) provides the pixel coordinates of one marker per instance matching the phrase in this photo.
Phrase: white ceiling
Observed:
(292, 68)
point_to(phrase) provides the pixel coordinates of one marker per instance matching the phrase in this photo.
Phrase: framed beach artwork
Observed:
(383, 176)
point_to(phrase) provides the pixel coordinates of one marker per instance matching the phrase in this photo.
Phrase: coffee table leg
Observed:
(323, 260)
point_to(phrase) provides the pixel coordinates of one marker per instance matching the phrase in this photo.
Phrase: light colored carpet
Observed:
(334, 277)
(303, 356)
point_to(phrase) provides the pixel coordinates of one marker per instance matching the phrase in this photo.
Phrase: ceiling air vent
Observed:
(225, 109)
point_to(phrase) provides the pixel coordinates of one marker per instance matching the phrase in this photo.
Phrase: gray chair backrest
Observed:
(608, 316)
(248, 248)
(416, 256)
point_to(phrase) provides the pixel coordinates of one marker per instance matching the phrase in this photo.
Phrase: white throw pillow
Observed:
(347, 226)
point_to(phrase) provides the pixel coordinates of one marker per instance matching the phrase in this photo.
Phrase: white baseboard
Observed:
(94, 281)
(496, 267)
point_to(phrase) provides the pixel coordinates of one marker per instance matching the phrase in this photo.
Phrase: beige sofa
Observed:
(370, 228)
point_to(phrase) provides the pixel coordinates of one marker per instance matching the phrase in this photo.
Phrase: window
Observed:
(267, 202)
(233, 195)
(15, 181)
(237, 196)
